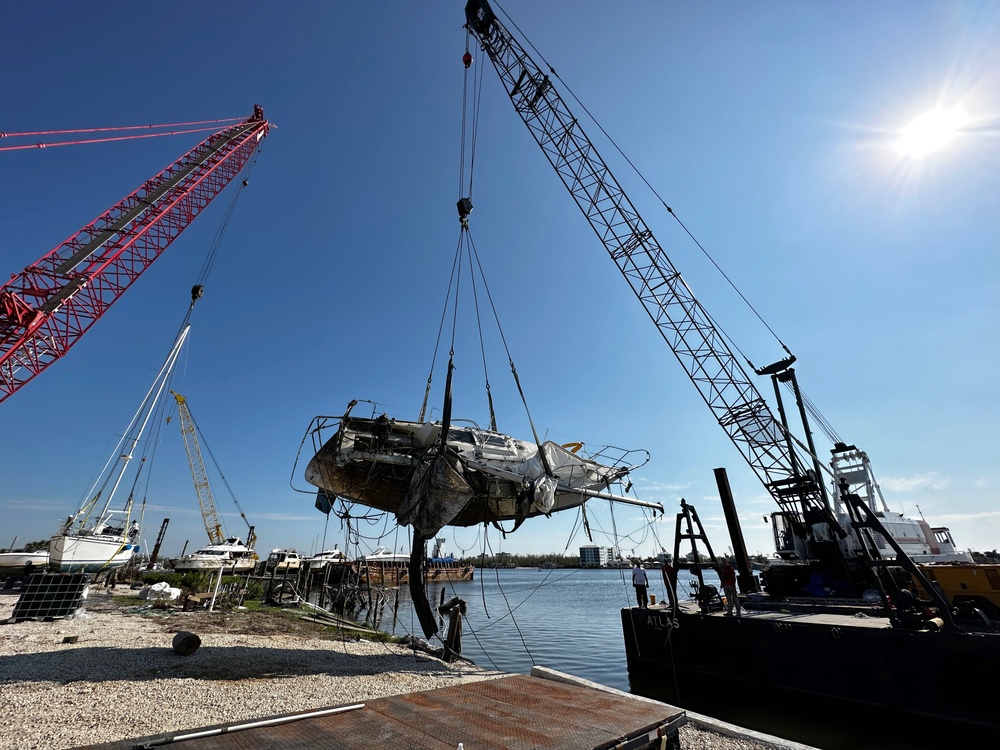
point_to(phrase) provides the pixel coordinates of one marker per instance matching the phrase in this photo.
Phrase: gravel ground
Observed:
(122, 679)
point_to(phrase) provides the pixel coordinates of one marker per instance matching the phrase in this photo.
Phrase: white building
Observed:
(595, 556)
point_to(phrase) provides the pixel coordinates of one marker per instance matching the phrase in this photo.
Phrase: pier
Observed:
(516, 712)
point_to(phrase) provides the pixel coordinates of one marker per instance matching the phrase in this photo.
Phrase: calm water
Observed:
(563, 619)
(569, 620)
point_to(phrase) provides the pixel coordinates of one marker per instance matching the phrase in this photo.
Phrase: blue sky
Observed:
(768, 127)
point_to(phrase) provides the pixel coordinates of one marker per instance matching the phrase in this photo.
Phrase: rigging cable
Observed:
(452, 281)
(213, 251)
(482, 343)
(120, 127)
(510, 360)
(669, 210)
(26, 146)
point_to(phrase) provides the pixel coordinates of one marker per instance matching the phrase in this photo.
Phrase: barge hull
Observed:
(848, 658)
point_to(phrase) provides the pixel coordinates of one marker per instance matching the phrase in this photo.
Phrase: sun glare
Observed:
(931, 131)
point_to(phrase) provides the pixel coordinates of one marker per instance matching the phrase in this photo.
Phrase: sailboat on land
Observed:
(103, 534)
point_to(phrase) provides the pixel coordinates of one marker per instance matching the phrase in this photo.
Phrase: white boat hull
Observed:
(14, 562)
(89, 554)
(232, 556)
(202, 565)
(315, 564)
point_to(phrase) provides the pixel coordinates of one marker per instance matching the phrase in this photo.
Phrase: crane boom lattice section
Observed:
(47, 307)
(202, 487)
(681, 320)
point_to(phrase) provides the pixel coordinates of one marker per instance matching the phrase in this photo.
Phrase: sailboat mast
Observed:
(151, 399)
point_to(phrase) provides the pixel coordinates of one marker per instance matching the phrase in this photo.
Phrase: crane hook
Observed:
(467, 59)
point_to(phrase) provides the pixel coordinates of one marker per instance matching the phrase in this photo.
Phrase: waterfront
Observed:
(568, 620)
(519, 618)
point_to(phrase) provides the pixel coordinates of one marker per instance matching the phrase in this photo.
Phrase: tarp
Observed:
(437, 494)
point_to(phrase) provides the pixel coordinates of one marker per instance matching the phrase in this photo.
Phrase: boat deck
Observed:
(515, 712)
(843, 616)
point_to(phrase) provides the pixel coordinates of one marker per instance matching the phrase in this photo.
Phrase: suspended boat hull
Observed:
(69, 553)
(479, 476)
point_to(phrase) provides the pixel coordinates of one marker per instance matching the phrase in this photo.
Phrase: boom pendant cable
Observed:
(26, 146)
(642, 177)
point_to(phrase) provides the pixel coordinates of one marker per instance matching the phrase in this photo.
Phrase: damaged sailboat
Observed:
(452, 472)
(475, 476)
(436, 474)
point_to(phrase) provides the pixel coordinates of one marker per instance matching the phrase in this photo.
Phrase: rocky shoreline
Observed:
(110, 673)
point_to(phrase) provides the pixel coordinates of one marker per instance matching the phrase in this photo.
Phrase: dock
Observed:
(516, 712)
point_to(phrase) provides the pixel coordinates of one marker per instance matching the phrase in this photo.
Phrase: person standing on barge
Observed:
(641, 582)
(727, 575)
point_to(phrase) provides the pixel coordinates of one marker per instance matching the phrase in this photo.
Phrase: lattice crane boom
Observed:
(198, 472)
(45, 309)
(789, 473)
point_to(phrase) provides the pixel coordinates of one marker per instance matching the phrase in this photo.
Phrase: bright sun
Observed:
(931, 131)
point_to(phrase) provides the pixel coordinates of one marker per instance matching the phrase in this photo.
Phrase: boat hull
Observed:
(397, 574)
(231, 556)
(188, 565)
(482, 477)
(14, 562)
(931, 674)
(89, 554)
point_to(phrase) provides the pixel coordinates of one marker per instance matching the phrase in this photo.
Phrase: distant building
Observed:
(595, 556)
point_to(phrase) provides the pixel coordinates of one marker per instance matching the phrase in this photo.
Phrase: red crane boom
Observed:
(47, 307)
